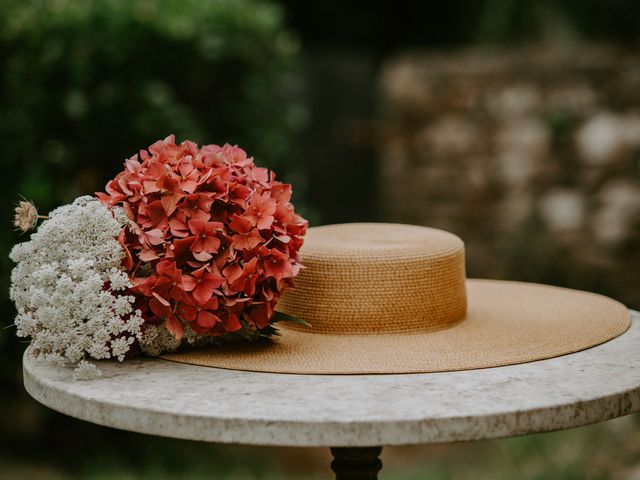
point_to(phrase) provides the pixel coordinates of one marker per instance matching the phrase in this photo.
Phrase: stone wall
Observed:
(532, 157)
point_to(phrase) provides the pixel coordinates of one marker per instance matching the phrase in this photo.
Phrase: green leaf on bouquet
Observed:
(285, 317)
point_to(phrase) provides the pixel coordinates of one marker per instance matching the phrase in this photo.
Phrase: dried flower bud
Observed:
(26, 217)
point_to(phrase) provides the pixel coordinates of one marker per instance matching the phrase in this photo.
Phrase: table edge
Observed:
(335, 434)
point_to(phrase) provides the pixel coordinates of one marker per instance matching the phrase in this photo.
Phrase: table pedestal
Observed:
(356, 463)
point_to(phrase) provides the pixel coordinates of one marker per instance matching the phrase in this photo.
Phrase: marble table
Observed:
(353, 414)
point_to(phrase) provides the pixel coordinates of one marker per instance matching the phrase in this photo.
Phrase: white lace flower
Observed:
(67, 286)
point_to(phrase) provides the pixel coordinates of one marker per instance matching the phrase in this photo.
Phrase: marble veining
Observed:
(159, 397)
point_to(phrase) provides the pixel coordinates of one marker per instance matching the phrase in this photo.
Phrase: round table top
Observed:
(170, 399)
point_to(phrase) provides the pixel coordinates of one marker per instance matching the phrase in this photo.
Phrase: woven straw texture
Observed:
(379, 278)
(392, 299)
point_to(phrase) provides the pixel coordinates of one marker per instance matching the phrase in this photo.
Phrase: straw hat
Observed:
(384, 298)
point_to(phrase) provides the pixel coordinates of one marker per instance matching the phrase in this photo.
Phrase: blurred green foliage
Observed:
(86, 83)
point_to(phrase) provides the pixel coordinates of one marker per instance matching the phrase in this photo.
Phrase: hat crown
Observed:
(368, 278)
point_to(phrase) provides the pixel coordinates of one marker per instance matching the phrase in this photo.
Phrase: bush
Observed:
(85, 83)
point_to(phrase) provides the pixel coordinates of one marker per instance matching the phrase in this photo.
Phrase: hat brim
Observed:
(506, 323)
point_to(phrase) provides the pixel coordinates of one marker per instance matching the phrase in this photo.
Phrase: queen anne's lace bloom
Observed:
(70, 289)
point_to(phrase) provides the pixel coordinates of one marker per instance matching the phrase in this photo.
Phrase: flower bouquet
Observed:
(186, 246)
